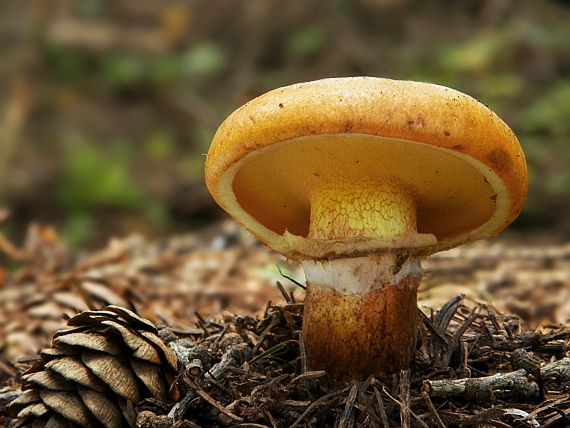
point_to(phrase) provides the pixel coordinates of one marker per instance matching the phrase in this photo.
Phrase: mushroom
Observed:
(357, 178)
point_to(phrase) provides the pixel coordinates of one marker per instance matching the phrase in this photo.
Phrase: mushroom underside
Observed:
(453, 194)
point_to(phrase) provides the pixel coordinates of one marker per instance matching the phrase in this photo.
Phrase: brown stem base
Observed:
(352, 337)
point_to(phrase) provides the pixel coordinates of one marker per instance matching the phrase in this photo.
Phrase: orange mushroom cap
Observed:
(461, 164)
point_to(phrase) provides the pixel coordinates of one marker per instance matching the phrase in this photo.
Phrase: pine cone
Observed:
(99, 368)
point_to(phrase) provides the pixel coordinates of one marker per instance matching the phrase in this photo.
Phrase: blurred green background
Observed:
(108, 106)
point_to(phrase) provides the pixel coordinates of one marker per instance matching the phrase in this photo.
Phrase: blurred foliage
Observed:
(92, 179)
(549, 113)
(117, 101)
(132, 68)
(307, 41)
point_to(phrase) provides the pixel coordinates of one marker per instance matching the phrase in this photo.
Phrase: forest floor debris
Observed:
(476, 363)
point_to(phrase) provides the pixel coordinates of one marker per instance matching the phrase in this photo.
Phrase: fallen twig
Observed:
(381, 408)
(481, 389)
(404, 391)
(317, 403)
(348, 408)
(205, 396)
(433, 410)
(395, 400)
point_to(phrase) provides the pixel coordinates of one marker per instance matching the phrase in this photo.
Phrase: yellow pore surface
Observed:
(360, 209)
(275, 186)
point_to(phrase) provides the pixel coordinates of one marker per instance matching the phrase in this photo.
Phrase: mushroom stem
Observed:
(353, 335)
(363, 208)
(360, 312)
